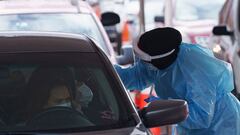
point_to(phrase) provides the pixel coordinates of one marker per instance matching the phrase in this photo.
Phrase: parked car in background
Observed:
(113, 31)
(194, 19)
(222, 45)
(58, 83)
(227, 34)
(116, 32)
(153, 10)
(95, 4)
(69, 16)
(129, 27)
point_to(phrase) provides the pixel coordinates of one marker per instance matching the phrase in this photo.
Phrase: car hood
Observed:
(196, 31)
(197, 23)
(203, 27)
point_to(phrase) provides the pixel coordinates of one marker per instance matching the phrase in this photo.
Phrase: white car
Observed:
(67, 16)
(228, 32)
(194, 19)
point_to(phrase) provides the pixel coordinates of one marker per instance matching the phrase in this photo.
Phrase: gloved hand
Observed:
(151, 98)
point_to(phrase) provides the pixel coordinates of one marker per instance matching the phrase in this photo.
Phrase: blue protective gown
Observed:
(199, 78)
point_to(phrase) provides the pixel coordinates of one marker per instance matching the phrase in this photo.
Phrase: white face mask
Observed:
(65, 104)
(84, 95)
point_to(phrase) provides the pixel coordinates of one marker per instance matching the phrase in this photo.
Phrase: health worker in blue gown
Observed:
(186, 71)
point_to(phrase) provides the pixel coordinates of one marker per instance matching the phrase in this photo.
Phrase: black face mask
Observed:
(163, 63)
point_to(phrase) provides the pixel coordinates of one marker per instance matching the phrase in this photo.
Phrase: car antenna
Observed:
(75, 3)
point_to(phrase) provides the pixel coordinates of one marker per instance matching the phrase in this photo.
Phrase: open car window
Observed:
(58, 92)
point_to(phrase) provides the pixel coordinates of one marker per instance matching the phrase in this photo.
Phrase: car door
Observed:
(236, 48)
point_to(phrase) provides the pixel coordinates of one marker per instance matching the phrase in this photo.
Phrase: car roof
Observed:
(44, 6)
(22, 42)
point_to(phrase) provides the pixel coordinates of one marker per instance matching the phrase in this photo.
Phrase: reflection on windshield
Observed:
(67, 23)
(197, 10)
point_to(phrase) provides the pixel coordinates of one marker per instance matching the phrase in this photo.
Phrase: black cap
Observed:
(160, 41)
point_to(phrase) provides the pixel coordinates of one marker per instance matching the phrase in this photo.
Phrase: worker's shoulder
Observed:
(189, 46)
(195, 49)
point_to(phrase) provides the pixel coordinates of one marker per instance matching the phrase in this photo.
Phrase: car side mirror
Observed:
(164, 112)
(158, 19)
(110, 18)
(127, 56)
(221, 30)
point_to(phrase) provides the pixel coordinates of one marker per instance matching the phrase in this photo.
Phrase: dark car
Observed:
(64, 83)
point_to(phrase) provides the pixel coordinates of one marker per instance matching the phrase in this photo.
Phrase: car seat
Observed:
(12, 84)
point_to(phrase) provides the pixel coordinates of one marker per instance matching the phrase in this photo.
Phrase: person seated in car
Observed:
(59, 95)
(47, 87)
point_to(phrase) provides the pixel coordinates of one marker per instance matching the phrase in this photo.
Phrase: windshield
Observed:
(54, 92)
(189, 10)
(67, 23)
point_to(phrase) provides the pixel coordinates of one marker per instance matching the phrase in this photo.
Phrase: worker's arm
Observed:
(134, 77)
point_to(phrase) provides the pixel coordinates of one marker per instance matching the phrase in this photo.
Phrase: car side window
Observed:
(43, 97)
